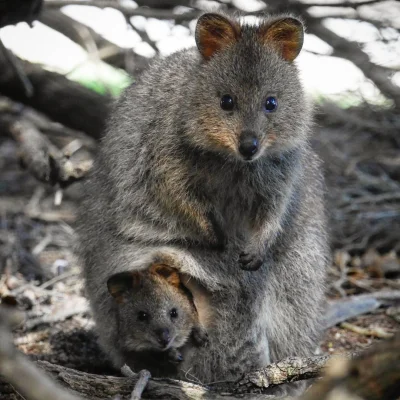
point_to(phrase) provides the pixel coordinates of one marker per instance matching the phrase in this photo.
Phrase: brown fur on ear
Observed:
(120, 283)
(170, 274)
(214, 33)
(286, 35)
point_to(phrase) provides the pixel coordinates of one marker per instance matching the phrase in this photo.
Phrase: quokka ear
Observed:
(168, 273)
(215, 33)
(122, 282)
(286, 35)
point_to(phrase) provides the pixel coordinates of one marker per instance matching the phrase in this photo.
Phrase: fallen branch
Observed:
(105, 387)
(59, 98)
(372, 366)
(341, 310)
(36, 385)
(386, 296)
(289, 370)
(44, 160)
(97, 386)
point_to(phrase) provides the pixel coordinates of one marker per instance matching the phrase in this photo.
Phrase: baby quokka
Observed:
(156, 318)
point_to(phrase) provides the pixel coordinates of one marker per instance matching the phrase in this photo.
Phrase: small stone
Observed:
(13, 282)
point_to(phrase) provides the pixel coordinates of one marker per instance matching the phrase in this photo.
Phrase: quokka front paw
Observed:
(200, 336)
(175, 356)
(250, 260)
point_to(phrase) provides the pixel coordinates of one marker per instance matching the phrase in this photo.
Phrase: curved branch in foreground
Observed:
(371, 376)
(35, 385)
(97, 386)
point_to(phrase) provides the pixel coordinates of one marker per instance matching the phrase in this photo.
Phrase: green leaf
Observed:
(101, 77)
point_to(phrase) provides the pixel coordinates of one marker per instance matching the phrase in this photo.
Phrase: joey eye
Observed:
(227, 102)
(173, 313)
(271, 104)
(142, 316)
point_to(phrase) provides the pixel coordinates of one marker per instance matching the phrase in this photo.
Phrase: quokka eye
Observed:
(271, 104)
(142, 316)
(227, 102)
(173, 313)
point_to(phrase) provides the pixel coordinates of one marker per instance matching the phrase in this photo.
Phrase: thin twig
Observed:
(372, 331)
(59, 278)
(141, 384)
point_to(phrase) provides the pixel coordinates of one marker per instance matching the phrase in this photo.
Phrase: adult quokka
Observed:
(206, 162)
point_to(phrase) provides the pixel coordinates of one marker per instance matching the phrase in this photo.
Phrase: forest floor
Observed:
(39, 272)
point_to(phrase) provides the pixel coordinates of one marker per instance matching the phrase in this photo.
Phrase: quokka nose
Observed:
(163, 337)
(248, 146)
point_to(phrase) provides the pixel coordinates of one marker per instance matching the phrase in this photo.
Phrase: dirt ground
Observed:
(39, 272)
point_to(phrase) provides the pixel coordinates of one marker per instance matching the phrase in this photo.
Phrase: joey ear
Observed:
(120, 283)
(170, 274)
(214, 33)
(286, 35)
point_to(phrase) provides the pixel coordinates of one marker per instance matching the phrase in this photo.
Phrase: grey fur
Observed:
(139, 339)
(161, 190)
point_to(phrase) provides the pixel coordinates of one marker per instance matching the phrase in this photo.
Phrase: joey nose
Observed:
(248, 145)
(163, 337)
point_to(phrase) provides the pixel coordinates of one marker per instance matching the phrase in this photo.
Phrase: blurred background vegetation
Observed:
(352, 49)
